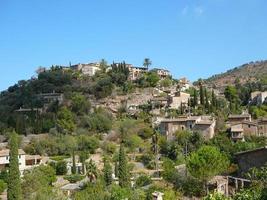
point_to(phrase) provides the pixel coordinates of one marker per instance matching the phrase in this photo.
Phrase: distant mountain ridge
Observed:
(249, 72)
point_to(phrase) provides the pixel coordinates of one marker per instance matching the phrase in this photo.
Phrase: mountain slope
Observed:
(250, 72)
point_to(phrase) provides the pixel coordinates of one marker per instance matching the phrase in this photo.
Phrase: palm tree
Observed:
(147, 62)
(91, 171)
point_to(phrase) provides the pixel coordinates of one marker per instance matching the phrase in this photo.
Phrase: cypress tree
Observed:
(73, 169)
(207, 105)
(201, 93)
(14, 186)
(20, 124)
(116, 169)
(195, 100)
(181, 108)
(107, 170)
(213, 101)
(123, 173)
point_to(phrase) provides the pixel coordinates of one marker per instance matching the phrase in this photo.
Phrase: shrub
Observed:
(3, 186)
(143, 180)
(61, 168)
(73, 178)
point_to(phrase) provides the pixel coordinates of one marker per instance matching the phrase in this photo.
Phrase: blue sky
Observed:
(193, 38)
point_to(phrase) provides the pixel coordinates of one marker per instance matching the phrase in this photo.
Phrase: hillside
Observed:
(250, 72)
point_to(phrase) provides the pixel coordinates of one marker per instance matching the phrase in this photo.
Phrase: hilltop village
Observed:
(117, 131)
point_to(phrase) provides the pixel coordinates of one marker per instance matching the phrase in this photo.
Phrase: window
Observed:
(6, 157)
(19, 156)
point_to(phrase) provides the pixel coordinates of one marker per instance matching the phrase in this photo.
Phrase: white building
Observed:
(4, 159)
(25, 161)
(88, 69)
(183, 84)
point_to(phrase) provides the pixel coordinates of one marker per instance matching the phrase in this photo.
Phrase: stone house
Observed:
(262, 127)
(88, 69)
(183, 84)
(162, 73)
(51, 97)
(159, 102)
(136, 72)
(179, 98)
(252, 158)
(219, 184)
(233, 119)
(241, 129)
(258, 98)
(206, 128)
(205, 125)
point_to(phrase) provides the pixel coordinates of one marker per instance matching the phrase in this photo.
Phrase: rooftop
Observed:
(32, 157)
(239, 116)
(5, 152)
(253, 150)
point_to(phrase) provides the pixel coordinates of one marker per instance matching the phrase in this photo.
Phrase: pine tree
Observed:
(107, 171)
(73, 169)
(123, 173)
(14, 186)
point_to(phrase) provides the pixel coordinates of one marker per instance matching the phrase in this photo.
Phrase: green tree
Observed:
(107, 171)
(216, 196)
(73, 168)
(14, 185)
(93, 191)
(195, 98)
(213, 101)
(65, 120)
(103, 64)
(152, 79)
(147, 62)
(116, 168)
(37, 183)
(143, 180)
(123, 173)
(201, 94)
(61, 167)
(3, 186)
(207, 104)
(79, 104)
(207, 162)
(167, 82)
(231, 95)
